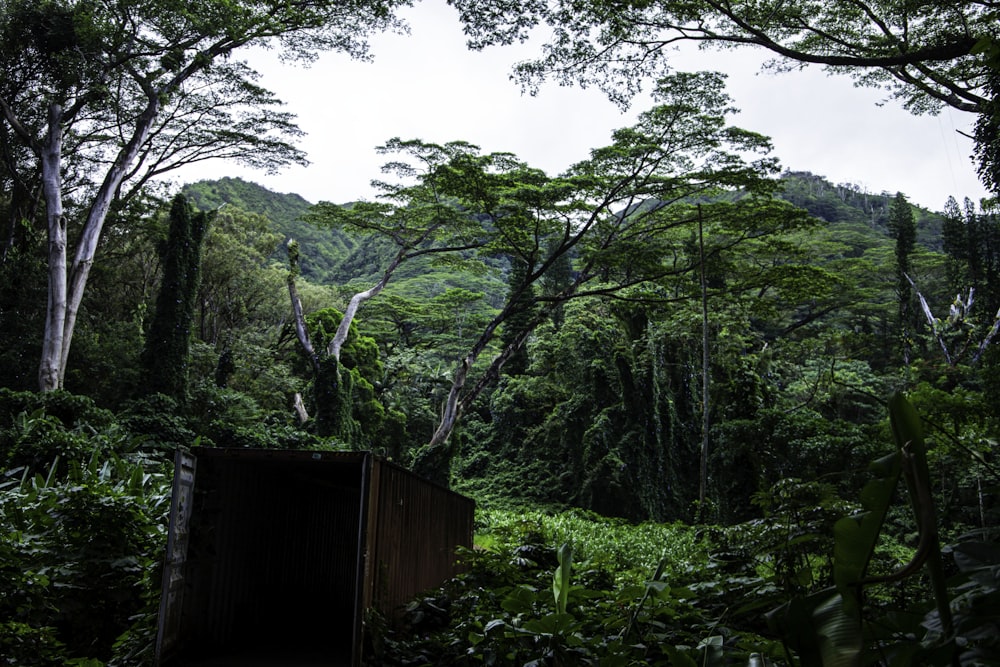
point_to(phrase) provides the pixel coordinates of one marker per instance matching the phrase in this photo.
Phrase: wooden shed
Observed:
(274, 556)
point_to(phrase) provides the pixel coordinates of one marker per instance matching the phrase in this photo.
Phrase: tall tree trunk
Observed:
(86, 248)
(344, 328)
(452, 406)
(49, 371)
(331, 389)
(705, 414)
(301, 330)
(432, 454)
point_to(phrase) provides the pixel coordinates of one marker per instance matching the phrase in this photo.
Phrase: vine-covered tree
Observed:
(165, 357)
(904, 230)
(524, 315)
(106, 94)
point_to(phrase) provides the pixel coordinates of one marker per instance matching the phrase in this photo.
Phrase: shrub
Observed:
(524, 602)
(81, 551)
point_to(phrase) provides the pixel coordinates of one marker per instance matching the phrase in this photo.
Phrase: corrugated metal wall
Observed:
(414, 529)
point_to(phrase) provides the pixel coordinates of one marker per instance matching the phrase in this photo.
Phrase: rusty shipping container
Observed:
(273, 557)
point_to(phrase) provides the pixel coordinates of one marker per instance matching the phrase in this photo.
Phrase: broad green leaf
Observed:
(839, 633)
(520, 600)
(551, 624)
(909, 435)
(855, 537)
(819, 629)
(678, 658)
(561, 577)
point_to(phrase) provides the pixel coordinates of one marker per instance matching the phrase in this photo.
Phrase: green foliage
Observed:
(22, 287)
(840, 625)
(250, 365)
(165, 358)
(596, 272)
(522, 601)
(215, 416)
(81, 550)
(856, 537)
(845, 203)
(161, 419)
(631, 550)
(987, 130)
(242, 292)
(520, 293)
(46, 431)
(587, 45)
(70, 409)
(342, 394)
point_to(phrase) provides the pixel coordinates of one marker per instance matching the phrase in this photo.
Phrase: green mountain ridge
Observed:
(330, 256)
(323, 250)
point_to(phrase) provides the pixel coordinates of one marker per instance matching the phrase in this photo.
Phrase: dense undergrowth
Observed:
(656, 594)
(83, 512)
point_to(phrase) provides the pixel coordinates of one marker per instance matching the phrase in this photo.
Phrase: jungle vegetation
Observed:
(712, 411)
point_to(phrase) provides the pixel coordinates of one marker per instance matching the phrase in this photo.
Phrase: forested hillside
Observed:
(711, 412)
(814, 327)
(325, 250)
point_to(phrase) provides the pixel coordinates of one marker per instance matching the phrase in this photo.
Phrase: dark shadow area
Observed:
(272, 563)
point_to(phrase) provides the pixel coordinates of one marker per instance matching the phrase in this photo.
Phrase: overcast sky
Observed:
(428, 85)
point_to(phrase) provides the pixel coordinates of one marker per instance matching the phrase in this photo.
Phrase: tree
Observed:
(904, 230)
(988, 145)
(241, 288)
(165, 358)
(518, 362)
(109, 93)
(971, 240)
(925, 52)
(987, 131)
(414, 216)
(623, 216)
(422, 223)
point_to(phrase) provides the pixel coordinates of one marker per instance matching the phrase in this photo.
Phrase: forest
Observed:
(711, 411)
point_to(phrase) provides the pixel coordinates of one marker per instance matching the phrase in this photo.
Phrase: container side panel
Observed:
(418, 528)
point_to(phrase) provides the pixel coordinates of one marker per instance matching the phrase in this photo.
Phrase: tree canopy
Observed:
(105, 94)
(926, 53)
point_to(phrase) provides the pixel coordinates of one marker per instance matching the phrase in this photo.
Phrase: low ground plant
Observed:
(570, 588)
(629, 552)
(81, 551)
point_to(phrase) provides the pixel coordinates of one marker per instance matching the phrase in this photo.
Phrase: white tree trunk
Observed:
(452, 407)
(86, 249)
(456, 403)
(50, 369)
(301, 331)
(67, 284)
(344, 328)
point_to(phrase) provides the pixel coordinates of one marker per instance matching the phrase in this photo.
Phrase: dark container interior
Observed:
(283, 551)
